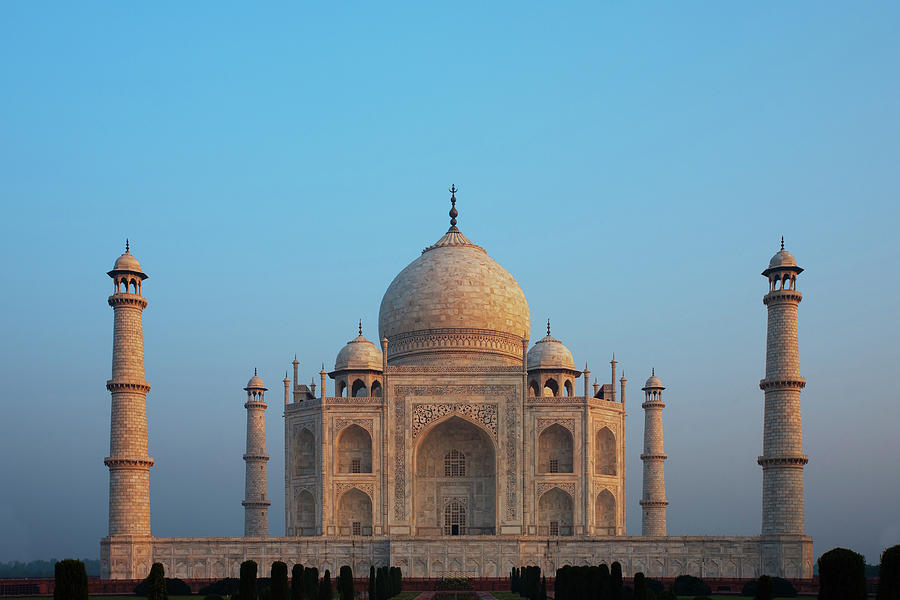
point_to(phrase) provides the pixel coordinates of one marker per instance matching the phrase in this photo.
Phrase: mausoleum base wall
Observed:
(128, 557)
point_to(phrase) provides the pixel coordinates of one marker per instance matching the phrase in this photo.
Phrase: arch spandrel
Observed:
(426, 416)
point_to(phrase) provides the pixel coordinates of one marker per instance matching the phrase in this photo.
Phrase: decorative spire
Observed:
(548, 325)
(254, 371)
(453, 212)
(127, 251)
(653, 371)
(360, 327)
(782, 242)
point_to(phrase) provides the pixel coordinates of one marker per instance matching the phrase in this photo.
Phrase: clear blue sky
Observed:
(633, 166)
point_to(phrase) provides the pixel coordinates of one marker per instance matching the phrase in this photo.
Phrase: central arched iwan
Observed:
(455, 462)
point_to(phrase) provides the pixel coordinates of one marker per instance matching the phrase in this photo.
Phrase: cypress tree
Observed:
(396, 580)
(156, 583)
(345, 583)
(616, 587)
(842, 575)
(889, 574)
(247, 587)
(371, 582)
(312, 583)
(640, 587)
(325, 587)
(543, 593)
(380, 590)
(71, 580)
(604, 583)
(297, 583)
(279, 581)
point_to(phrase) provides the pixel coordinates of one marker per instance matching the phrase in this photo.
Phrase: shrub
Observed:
(279, 584)
(371, 582)
(453, 583)
(655, 587)
(213, 597)
(889, 574)
(247, 585)
(842, 575)
(781, 588)
(763, 588)
(223, 587)
(688, 585)
(71, 580)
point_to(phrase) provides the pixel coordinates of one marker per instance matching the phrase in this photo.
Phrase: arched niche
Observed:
(556, 513)
(355, 513)
(605, 452)
(304, 452)
(555, 450)
(354, 450)
(435, 485)
(605, 513)
(304, 513)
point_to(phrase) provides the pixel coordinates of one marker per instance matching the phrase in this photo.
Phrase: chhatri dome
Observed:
(127, 263)
(454, 302)
(653, 382)
(255, 383)
(550, 353)
(358, 355)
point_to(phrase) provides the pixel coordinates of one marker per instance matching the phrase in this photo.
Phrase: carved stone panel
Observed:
(341, 423)
(424, 414)
(344, 486)
(544, 423)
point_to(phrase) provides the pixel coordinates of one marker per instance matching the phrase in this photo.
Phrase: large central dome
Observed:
(454, 304)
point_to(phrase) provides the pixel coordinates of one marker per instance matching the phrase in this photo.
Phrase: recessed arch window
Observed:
(454, 464)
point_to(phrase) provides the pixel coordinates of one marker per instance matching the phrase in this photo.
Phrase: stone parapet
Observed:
(470, 556)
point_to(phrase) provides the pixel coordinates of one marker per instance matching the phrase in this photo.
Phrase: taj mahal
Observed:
(453, 446)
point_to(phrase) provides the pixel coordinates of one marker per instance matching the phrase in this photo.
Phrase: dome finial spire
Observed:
(360, 327)
(254, 371)
(782, 242)
(453, 212)
(653, 371)
(127, 250)
(548, 325)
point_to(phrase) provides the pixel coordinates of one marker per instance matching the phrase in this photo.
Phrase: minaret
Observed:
(256, 503)
(128, 460)
(653, 500)
(782, 459)
(287, 389)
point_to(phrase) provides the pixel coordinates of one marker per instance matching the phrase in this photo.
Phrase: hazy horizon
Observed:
(274, 167)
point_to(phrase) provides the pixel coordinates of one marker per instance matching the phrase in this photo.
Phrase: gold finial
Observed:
(453, 212)
(782, 242)
(127, 250)
(360, 327)
(548, 326)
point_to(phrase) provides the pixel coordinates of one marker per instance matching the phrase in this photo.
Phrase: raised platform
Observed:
(127, 557)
